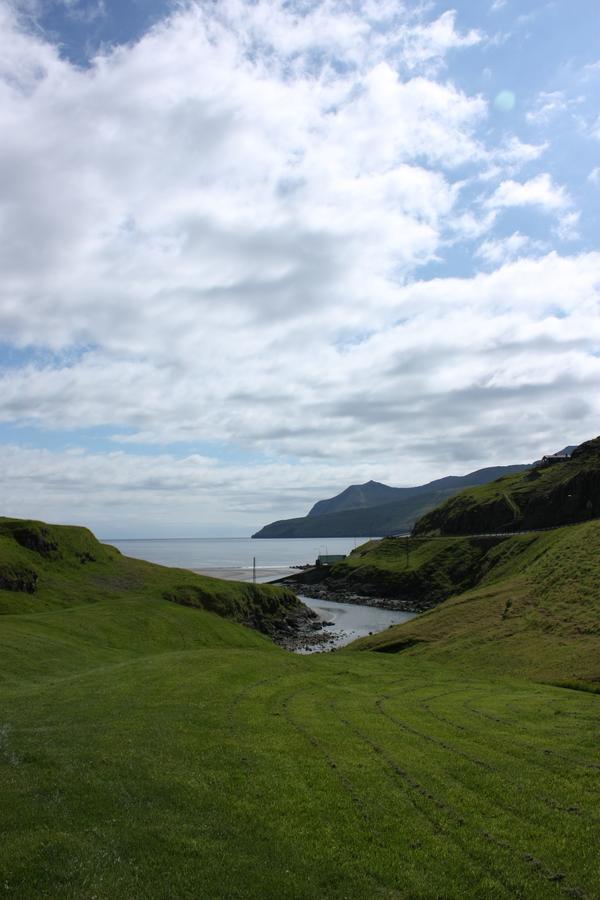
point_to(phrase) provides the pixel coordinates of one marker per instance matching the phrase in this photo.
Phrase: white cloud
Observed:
(218, 231)
(539, 191)
(498, 251)
(548, 104)
(594, 176)
(178, 180)
(429, 43)
(567, 227)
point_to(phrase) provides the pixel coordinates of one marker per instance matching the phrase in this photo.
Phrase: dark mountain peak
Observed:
(357, 496)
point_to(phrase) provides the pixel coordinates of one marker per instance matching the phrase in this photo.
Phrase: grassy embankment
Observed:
(534, 609)
(152, 750)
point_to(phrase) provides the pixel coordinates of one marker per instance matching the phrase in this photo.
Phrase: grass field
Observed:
(152, 750)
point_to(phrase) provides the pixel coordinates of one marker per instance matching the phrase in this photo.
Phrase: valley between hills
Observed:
(155, 741)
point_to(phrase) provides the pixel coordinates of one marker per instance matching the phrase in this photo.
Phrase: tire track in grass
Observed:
(427, 795)
(379, 885)
(551, 802)
(518, 856)
(348, 787)
(546, 751)
(404, 726)
(438, 827)
(528, 748)
(515, 783)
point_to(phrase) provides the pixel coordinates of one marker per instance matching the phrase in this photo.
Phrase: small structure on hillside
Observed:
(555, 458)
(328, 559)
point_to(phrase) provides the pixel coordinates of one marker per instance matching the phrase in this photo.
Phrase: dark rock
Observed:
(38, 539)
(18, 578)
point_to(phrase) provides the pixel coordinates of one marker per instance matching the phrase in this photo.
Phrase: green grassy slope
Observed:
(43, 567)
(148, 749)
(545, 496)
(535, 610)
(430, 572)
(197, 769)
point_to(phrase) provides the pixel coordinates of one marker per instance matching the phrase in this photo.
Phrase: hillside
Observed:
(44, 567)
(544, 496)
(148, 749)
(374, 509)
(431, 571)
(143, 742)
(533, 608)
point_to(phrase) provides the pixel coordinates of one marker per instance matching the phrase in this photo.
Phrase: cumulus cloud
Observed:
(540, 191)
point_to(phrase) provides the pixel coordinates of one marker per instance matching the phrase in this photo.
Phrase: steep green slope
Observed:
(422, 572)
(535, 610)
(43, 567)
(558, 494)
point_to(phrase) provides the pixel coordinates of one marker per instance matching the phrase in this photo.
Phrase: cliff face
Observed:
(560, 493)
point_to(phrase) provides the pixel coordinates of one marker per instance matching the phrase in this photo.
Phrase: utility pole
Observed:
(253, 570)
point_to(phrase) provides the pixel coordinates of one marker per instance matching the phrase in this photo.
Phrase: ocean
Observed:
(232, 558)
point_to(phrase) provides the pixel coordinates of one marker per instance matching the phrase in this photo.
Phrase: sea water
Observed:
(232, 558)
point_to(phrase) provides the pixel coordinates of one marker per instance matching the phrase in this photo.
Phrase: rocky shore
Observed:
(324, 591)
(303, 630)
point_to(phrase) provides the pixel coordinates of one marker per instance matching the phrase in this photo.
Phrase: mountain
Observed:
(374, 509)
(357, 496)
(555, 491)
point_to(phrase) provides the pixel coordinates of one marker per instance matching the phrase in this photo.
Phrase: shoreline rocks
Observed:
(323, 591)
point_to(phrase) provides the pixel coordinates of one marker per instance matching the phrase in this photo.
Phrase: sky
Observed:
(253, 251)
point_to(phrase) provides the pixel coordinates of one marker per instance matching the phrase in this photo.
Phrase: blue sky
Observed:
(253, 252)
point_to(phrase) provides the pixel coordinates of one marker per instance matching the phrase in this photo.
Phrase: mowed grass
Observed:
(154, 750)
(150, 750)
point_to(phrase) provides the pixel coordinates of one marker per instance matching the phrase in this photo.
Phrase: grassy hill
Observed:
(43, 567)
(534, 609)
(149, 749)
(422, 572)
(551, 495)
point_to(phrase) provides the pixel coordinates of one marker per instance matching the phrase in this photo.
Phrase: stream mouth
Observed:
(348, 621)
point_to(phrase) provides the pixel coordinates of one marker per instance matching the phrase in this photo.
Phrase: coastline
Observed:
(306, 583)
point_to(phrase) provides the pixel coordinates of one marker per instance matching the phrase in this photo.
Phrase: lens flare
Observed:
(505, 101)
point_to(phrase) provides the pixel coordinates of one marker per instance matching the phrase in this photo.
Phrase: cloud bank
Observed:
(232, 233)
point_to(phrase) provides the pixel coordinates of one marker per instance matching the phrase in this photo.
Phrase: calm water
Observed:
(232, 557)
(351, 621)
